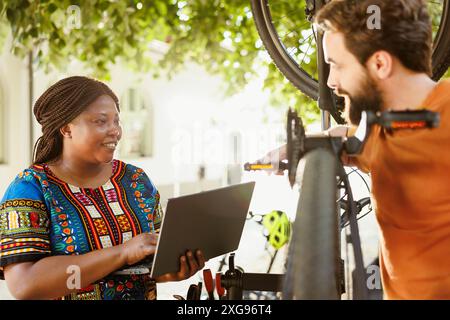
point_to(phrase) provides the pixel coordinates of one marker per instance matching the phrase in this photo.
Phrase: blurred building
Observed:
(171, 128)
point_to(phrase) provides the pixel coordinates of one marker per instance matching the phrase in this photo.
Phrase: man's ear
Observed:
(65, 131)
(380, 65)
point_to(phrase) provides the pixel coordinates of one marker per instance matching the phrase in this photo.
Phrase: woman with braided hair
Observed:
(77, 215)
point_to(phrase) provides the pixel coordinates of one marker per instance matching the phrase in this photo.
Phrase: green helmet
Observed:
(279, 228)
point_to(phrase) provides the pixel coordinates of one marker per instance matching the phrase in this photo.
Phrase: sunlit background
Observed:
(199, 96)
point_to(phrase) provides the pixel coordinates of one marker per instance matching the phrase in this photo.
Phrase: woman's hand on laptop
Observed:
(139, 247)
(189, 265)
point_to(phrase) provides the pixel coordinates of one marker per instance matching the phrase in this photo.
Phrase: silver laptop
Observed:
(211, 221)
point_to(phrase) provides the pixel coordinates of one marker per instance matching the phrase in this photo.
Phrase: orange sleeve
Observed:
(360, 161)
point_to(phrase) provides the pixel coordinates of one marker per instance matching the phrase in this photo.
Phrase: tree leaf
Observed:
(218, 34)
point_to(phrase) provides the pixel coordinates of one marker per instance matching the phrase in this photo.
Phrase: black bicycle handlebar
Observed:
(298, 143)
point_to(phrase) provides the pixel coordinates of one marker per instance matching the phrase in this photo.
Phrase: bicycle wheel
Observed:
(313, 270)
(289, 39)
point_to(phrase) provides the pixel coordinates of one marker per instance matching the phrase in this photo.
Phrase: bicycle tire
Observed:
(303, 80)
(316, 232)
(282, 60)
(441, 52)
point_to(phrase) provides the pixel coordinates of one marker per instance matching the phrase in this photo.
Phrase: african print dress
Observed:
(41, 215)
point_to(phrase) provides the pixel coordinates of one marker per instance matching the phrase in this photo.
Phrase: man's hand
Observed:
(274, 157)
(338, 131)
(189, 265)
(342, 131)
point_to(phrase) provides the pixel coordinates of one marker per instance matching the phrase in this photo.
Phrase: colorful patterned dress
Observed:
(41, 215)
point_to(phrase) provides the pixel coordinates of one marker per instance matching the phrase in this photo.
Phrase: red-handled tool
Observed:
(209, 283)
(220, 290)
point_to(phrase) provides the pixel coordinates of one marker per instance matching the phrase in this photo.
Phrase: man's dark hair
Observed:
(405, 32)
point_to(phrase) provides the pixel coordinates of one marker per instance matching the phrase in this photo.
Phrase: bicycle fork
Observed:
(360, 290)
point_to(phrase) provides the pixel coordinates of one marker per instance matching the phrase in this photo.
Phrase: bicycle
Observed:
(235, 284)
(315, 268)
(277, 231)
(286, 30)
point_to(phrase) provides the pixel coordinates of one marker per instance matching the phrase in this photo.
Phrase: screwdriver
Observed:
(264, 166)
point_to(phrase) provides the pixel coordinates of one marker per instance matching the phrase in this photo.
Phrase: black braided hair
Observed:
(59, 105)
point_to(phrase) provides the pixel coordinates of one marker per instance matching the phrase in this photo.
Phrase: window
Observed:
(137, 124)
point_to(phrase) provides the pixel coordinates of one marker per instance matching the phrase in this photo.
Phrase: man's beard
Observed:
(368, 98)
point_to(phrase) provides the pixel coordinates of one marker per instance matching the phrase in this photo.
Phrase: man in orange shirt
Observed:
(389, 68)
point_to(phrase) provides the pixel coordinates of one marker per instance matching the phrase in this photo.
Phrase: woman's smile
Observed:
(110, 145)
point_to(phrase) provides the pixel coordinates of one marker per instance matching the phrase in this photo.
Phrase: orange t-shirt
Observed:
(410, 172)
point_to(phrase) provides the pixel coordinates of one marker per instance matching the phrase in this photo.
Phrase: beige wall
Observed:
(13, 79)
(191, 86)
(190, 101)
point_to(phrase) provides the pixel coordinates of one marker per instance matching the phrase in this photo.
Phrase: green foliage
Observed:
(447, 74)
(98, 33)
(218, 34)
